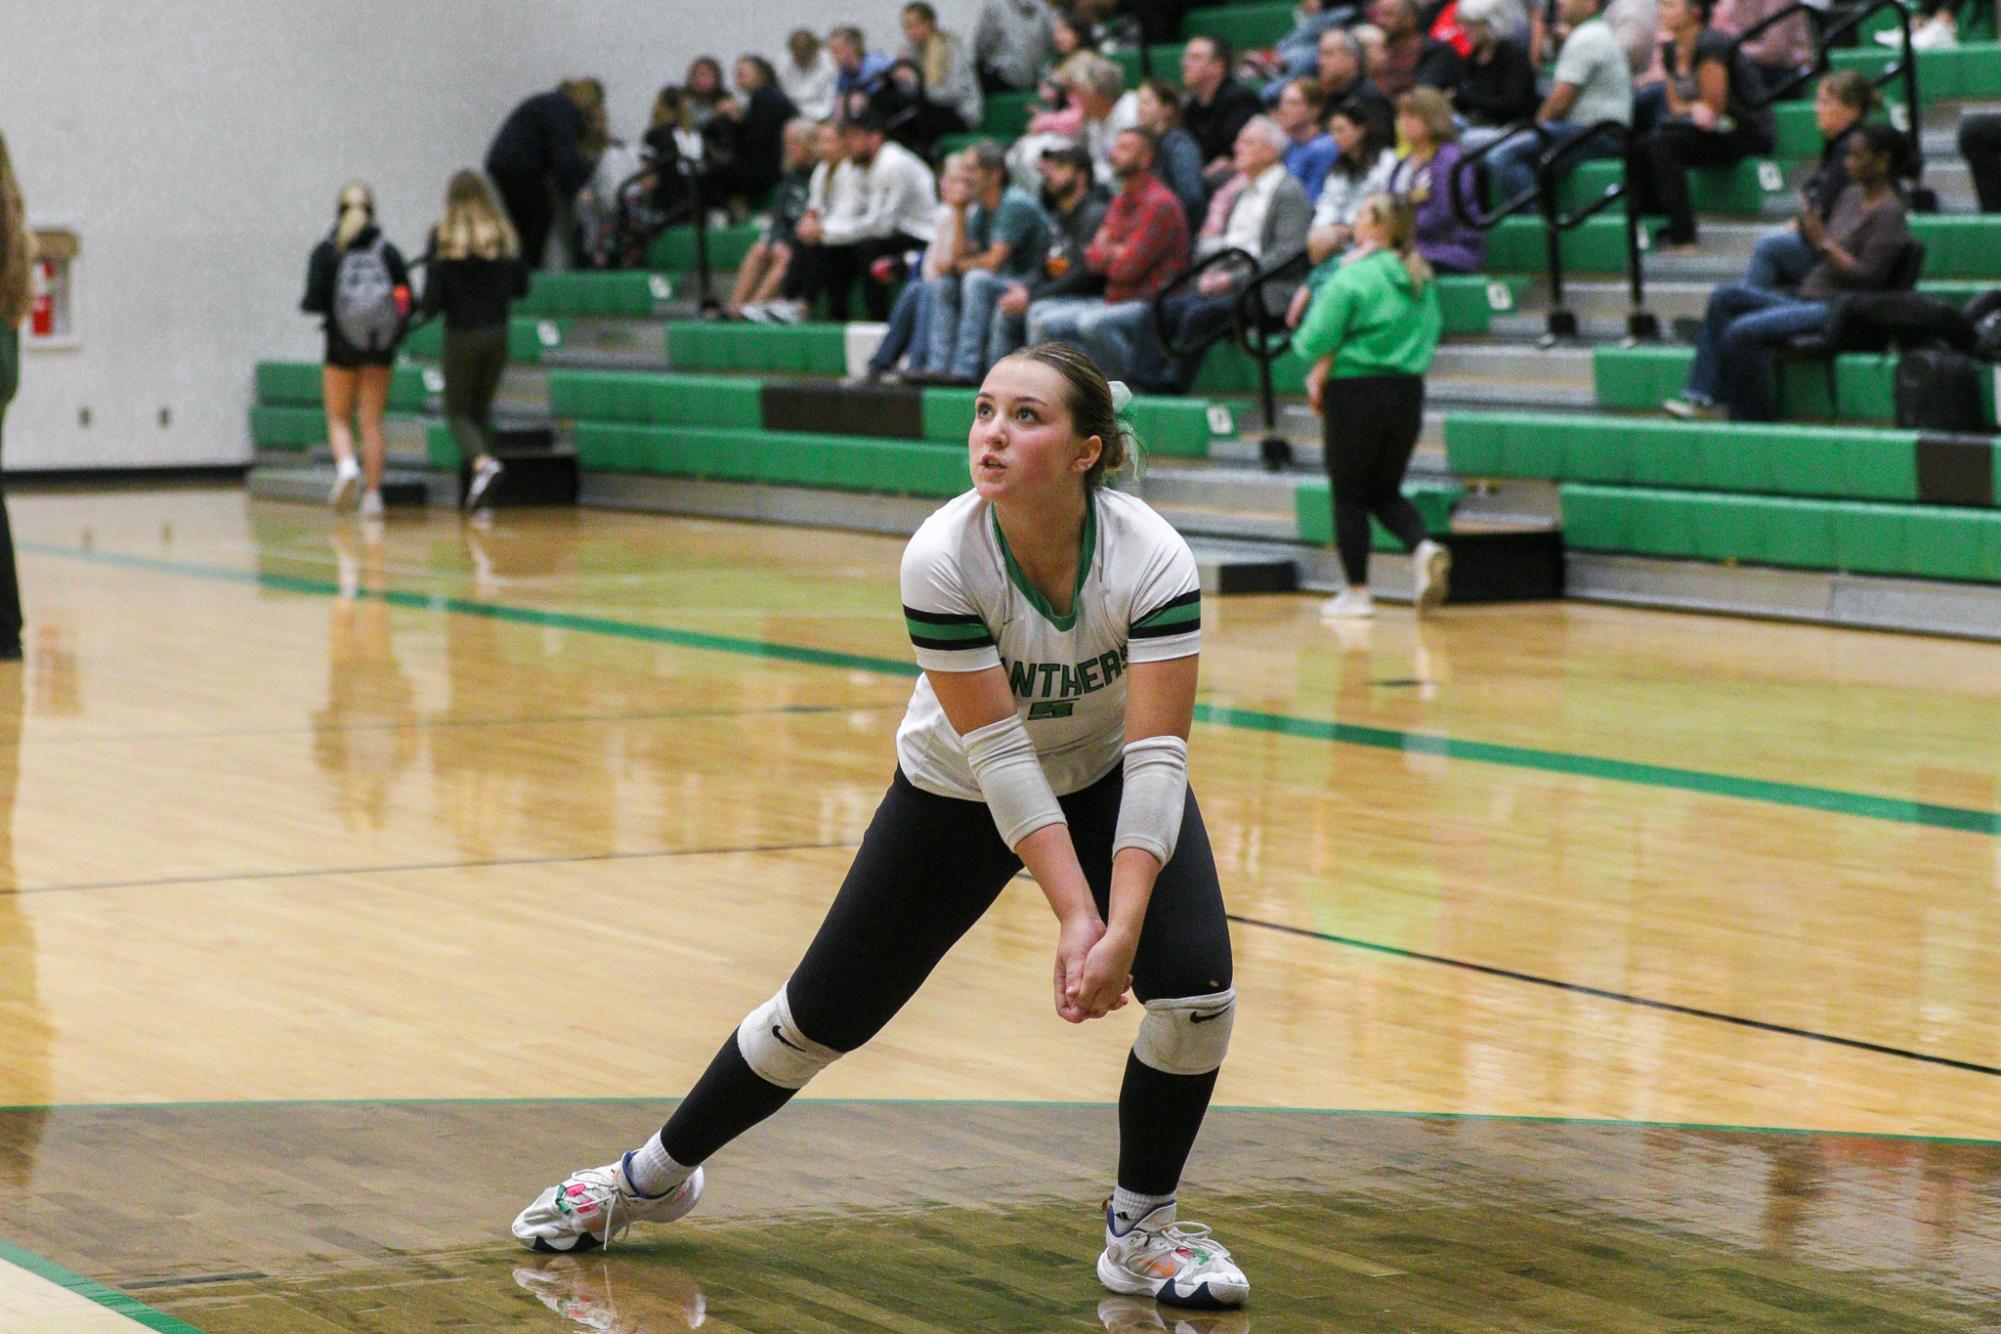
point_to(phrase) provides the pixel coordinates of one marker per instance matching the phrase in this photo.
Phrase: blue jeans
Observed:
(909, 327)
(1512, 166)
(1118, 337)
(1733, 363)
(1779, 262)
(962, 308)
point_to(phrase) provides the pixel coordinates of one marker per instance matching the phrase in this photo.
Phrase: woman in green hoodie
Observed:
(1368, 337)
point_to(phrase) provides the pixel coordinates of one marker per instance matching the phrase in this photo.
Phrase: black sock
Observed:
(1159, 1117)
(727, 1100)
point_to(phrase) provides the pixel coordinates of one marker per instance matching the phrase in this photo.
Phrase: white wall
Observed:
(196, 146)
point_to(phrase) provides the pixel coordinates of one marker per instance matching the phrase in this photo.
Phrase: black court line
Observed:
(1646, 1002)
(226, 877)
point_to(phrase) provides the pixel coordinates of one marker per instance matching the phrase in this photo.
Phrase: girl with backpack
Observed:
(358, 281)
(475, 271)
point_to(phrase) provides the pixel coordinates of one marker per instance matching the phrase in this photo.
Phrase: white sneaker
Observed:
(786, 312)
(371, 504)
(1434, 568)
(1348, 604)
(484, 474)
(1938, 35)
(1692, 410)
(347, 480)
(1177, 1264)
(593, 1206)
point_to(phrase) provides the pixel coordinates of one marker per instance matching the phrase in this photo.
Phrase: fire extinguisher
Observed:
(42, 309)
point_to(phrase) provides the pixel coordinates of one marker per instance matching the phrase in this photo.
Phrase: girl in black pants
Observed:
(1370, 334)
(474, 273)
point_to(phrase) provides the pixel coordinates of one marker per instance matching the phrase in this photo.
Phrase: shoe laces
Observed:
(1195, 1238)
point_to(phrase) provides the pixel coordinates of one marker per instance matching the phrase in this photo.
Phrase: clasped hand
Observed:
(1093, 968)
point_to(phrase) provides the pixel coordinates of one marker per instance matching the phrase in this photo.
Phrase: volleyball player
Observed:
(1058, 625)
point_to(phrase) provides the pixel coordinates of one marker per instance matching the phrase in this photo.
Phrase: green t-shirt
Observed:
(1019, 223)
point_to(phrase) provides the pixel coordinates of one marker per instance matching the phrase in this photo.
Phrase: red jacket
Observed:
(1142, 243)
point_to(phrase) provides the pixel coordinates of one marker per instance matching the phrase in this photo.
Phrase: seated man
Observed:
(1011, 41)
(1002, 237)
(1141, 246)
(1496, 86)
(1593, 83)
(1267, 219)
(898, 197)
(1858, 246)
(1217, 105)
(1075, 205)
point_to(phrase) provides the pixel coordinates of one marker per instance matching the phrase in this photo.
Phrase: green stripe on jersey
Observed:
(926, 630)
(1168, 616)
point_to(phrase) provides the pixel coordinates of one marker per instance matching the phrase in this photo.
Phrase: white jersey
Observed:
(969, 607)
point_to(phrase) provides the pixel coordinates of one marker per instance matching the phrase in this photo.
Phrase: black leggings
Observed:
(834, 270)
(530, 207)
(928, 869)
(1371, 424)
(10, 588)
(1659, 167)
(475, 359)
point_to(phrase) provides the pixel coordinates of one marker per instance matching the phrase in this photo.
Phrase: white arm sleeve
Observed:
(1010, 776)
(1156, 791)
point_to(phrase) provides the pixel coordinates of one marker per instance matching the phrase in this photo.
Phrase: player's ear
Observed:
(1088, 456)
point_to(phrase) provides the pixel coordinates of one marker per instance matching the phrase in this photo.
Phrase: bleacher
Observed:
(1831, 514)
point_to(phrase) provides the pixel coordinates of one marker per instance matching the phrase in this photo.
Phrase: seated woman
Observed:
(1427, 173)
(1178, 162)
(1700, 115)
(1365, 158)
(1857, 249)
(1840, 105)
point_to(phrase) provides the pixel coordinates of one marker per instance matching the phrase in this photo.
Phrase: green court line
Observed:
(1502, 1118)
(1833, 801)
(129, 1307)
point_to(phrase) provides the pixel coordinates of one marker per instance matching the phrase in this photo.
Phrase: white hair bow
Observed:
(1122, 397)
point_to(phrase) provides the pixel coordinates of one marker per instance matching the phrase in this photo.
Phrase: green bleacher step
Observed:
(649, 398)
(1312, 502)
(528, 338)
(1863, 385)
(801, 349)
(1743, 188)
(1956, 245)
(1912, 541)
(1243, 26)
(629, 292)
(298, 383)
(673, 251)
(1969, 72)
(830, 462)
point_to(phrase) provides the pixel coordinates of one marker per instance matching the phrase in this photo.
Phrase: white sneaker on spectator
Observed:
(1349, 604)
(1938, 35)
(1433, 564)
(1693, 410)
(347, 480)
(785, 312)
(757, 312)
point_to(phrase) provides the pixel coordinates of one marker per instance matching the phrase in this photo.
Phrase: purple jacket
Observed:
(1449, 244)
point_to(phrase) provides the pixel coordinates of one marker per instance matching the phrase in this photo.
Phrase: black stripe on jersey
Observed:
(1177, 616)
(940, 617)
(1187, 627)
(953, 645)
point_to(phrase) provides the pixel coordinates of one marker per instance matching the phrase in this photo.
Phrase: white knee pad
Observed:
(1188, 1035)
(774, 1047)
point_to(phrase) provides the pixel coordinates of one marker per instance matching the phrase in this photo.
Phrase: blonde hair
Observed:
(1398, 216)
(357, 210)
(17, 246)
(474, 227)
(1429, 105)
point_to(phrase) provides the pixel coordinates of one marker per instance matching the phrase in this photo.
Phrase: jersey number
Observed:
(1052, 708)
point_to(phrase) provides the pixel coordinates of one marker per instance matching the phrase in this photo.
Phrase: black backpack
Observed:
(1939, 390)
(1877, 321)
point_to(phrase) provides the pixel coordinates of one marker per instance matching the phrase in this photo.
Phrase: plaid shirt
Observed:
(1142, 244)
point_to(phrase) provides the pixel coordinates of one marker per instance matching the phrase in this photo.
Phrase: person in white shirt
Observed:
(899, 199)
(807, 75)
(1592, 83)
(1262, 212)
(1011, 42)
(1098, 88)
(834, 196)
(1058, 626)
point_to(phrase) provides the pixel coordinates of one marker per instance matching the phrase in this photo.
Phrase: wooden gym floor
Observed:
(1600, 969)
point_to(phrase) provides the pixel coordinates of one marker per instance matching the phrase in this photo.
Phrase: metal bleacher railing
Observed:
(1261, 334)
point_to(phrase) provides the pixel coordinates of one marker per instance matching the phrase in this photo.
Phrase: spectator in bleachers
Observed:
(1409, 56)
(1309, 151)
(951, 102)
(1216, 106)
(1298, 52)
(1098, 87)
(807, 75)
(1368, 340)
(1980, 145)
(856, 68)
(1075, 205)
(1859, 248)
(1841, 104)
(1179, 164)
(1699, 116)
(1496, 86)
(909, 328)
(1343, 73)
(474, 275)
(1267, 218)
(1002, 237)
(898, 199)
(1367, 159)
(1936, 27)
(761, 275)
(1779, 51)
(1427, 171)
(704, 87)
(606, 235)
(1141, 246)
(538, 155)
(358, 281)
(1592, 83)
(834, 198)
(1011, 41)
(747, 154)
